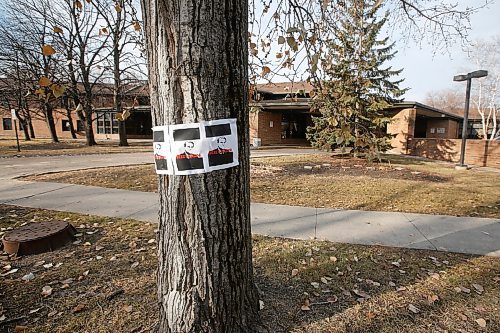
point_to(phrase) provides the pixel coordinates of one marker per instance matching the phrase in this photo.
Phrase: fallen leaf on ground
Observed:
(28, 277)
(465, 290)
(99, 248)
(20, 328)
(135, 264)
(413, 308)
(361, 293)
(295, 272)
(79, 308)
(12, 271)
(306, 305)
(128, 308)
(432, 299)
(479, 288)
(34, 310)
(481, 322)
(46, 291)
(332, 299)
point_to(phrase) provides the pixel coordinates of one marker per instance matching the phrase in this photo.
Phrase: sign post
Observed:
(14, 118)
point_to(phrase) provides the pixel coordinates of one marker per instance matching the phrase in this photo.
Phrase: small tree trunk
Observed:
(30, 125)
(24, 122)
(197, 52)
(71, 125)
(87, 109)
(117, 97)
(49, 117)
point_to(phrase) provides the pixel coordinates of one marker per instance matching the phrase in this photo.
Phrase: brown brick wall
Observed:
(450, 128)
(40, 126)
(403, 128)
(260, 127)
(477, 152)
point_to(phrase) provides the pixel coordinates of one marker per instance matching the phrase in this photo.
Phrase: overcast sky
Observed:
(424, 72)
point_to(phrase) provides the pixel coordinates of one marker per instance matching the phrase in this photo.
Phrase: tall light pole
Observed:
(467, 77)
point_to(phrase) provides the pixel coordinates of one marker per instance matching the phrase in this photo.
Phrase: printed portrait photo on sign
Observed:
(161, 157)
(221, 154)
(223, 144)
(187, 149)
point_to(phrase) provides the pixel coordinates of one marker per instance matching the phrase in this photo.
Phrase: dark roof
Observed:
(284, 87)
(412, 104)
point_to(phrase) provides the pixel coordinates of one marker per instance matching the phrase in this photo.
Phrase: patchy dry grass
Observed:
(398, 184)
(289, 274)
(44, 147)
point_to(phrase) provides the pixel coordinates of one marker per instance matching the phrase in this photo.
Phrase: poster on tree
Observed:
(187, 149)
(162, 151)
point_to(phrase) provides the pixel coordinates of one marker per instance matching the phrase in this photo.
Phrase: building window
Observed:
(107, 123)
(7, 124)
(79, 126)
(66, 125)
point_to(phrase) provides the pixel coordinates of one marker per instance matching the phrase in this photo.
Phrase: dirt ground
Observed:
(44, 147)
(397, 184)
(106, 282)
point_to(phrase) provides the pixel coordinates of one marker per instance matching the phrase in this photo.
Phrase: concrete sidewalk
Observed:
(420, 231)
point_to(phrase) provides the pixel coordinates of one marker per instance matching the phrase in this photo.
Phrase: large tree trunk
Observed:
(197, 52)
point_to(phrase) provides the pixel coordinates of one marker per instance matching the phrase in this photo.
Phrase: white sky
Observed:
(424, 72)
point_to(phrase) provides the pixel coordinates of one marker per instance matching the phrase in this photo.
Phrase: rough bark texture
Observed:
(197, 52)
(49, 118)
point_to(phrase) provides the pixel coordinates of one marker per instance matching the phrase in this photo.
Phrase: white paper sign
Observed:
(188, 149)
(13, 114)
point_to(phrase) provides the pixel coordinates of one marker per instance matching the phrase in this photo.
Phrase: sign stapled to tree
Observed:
(188, 149)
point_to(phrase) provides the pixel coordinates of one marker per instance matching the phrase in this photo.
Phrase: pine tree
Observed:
(357, 86)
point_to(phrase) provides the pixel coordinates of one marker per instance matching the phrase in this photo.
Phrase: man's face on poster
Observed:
(221, 142)
(188, 145)
(157, 148)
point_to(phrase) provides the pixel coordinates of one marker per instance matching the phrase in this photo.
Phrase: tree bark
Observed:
(122, 128)
(89, 132)
(71, 125)
(26, 133)
(49, 118)
(30, 124)
(197, 52)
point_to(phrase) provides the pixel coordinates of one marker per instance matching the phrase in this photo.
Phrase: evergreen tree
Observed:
(357, 86)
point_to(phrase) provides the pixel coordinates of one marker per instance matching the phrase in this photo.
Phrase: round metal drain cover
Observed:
(38, 237)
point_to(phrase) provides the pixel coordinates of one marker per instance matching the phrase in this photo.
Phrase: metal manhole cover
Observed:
(38, 237)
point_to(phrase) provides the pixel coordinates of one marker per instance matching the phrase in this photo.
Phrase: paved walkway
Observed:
(420, 231)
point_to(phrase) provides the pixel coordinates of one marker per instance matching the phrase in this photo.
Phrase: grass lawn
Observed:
(106, 283)
(398, 184)
(44, 147)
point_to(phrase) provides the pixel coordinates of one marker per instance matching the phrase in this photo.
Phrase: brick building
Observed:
(280, 115)
(105, 124)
